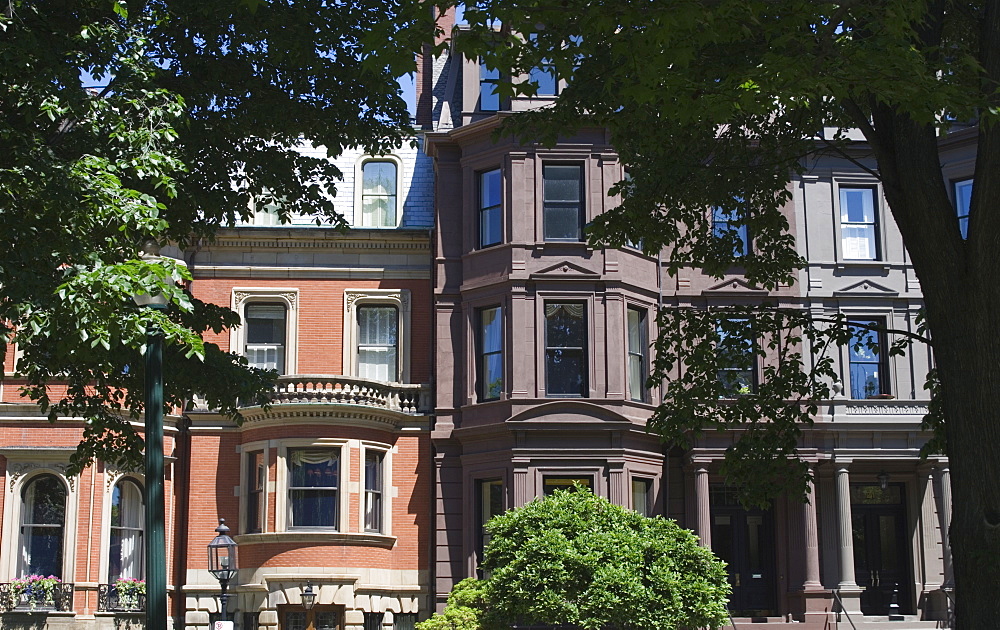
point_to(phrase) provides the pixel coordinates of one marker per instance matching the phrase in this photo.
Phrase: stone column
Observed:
(703, 507)
(847, 587)
(811, 535)
(942, 492)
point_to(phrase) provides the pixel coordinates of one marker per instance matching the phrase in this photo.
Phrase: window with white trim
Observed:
(376, 334)
(374, 489)
(859, 226)
(265, 335)
(313, 488)
(638, 347)
(378, 342)
(125, 558)
(43, 522)
(256, 489)
(379, 195)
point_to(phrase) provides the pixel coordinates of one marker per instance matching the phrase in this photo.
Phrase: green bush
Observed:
(577, 559)
(462, 610)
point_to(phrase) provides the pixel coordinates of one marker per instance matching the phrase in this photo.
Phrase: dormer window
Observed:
(378, 194)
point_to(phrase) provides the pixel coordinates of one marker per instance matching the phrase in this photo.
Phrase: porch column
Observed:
(703, 508)
(943, 494)
(847, 588)
(845, 531)
(811, 539)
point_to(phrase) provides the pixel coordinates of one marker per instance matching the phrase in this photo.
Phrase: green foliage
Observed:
(462, 611)
(577, 559)
(193, 109)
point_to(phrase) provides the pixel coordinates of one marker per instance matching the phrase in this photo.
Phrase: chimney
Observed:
(424, 79)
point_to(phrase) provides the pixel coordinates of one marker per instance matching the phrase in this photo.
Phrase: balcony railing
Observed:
(344, 390)
(112, 599)
(348, 390)
(14, 597)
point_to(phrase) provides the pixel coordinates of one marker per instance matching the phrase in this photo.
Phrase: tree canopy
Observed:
(126, 121)
(577, 559)
(719, 104)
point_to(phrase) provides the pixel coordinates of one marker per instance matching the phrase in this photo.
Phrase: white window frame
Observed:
(283, 517)
(388, 489)
(399, 298)
(878, 203)
(289, 297)
(23, 466)
(245, 451)
(359, 184)
(112, 479)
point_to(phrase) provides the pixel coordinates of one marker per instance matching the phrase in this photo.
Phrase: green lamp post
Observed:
(155, 539)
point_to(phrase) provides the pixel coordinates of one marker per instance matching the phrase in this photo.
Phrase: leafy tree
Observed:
(577, 559)
(719, 104)
(192, 111)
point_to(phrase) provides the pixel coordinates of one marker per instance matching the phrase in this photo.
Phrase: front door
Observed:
(881, 560)
(745, 540)
(318, 618)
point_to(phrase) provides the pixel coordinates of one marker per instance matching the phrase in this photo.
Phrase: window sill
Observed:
(366, 539)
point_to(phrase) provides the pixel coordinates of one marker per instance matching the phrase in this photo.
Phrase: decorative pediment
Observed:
(567, 412)
(867, 287)
(566, 269)
(737, 286)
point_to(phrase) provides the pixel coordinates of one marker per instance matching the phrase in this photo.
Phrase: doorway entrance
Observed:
(881, 558)
(745, 540)
(318, 618)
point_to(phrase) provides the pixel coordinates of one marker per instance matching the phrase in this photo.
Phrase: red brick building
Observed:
(330, 487)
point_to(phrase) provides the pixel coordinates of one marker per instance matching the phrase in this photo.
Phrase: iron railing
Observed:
(17, 597)
(110, 598)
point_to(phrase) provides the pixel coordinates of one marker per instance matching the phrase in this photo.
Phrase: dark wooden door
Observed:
(745, 540)
(881, 548)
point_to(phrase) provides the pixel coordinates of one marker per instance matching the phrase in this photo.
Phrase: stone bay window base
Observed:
(360, 600)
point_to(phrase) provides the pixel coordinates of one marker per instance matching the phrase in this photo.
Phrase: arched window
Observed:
(127, 519)
(378, 194)
(43, 517)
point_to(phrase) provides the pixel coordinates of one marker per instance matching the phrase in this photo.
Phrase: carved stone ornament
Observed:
(16, 470)
(403, 297)
(240, 297)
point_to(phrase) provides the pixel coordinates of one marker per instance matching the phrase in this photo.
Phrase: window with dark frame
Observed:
(374, 460)
(404, 621)
(963, 202)
(378, 342)
(378, 194)
(256, 482)
(313, 487)
(125, 547)
(490, 503)
(562, 205)
(265, 335)
(726, 224)
(551, 483)
(490, 211)
(638, 346)
(736, 352)
(565, 349)
(490, 350)
(868, 358)
(489, 78)
(859, 223)
(642, 496)
(373, 621)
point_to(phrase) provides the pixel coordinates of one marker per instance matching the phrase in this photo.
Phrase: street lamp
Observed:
(155, 539)
(222, 561)
(308, 597)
